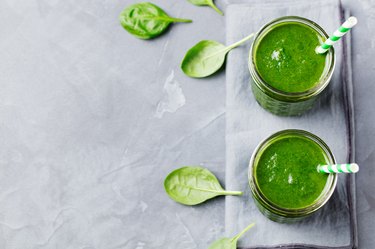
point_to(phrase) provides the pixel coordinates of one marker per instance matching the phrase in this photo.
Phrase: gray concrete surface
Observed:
(92, 119)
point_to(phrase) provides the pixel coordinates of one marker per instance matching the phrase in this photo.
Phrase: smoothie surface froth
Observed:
(286, 172)
(286, 58)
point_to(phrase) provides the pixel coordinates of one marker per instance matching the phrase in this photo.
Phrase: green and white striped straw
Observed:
(338, 168)
(344, 28)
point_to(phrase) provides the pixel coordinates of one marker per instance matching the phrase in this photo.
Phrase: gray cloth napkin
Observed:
(248, 124)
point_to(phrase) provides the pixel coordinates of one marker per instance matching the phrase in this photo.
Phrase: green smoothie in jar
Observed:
(287, 73)
(283, 175)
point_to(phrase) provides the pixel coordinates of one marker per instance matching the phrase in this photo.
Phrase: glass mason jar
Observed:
(282, 102)
(276, 212)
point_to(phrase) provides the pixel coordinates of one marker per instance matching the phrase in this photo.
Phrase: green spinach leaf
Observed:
(229, 243)
(207, 3)
(207, 57)
(146, 20)
(193, 185)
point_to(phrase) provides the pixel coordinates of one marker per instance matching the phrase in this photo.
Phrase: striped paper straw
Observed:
(339, 168)
(344, 28)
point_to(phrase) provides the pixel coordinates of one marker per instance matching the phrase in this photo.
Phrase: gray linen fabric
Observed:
(248, 124)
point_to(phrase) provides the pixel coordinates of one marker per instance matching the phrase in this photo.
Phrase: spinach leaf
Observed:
(193, 185)
(146, 20)
(229, 243)
(207, 57)
(207, 3)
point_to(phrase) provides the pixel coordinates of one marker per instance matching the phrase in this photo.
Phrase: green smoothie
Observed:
(286, 171)
(286, 59)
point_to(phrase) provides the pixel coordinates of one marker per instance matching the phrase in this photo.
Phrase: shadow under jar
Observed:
(287, 74)
(283, 176)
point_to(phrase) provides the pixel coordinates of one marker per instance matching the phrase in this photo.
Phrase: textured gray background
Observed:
(92, 119)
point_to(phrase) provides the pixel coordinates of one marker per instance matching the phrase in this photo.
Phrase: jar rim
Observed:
(293, 212)
(291, 96)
